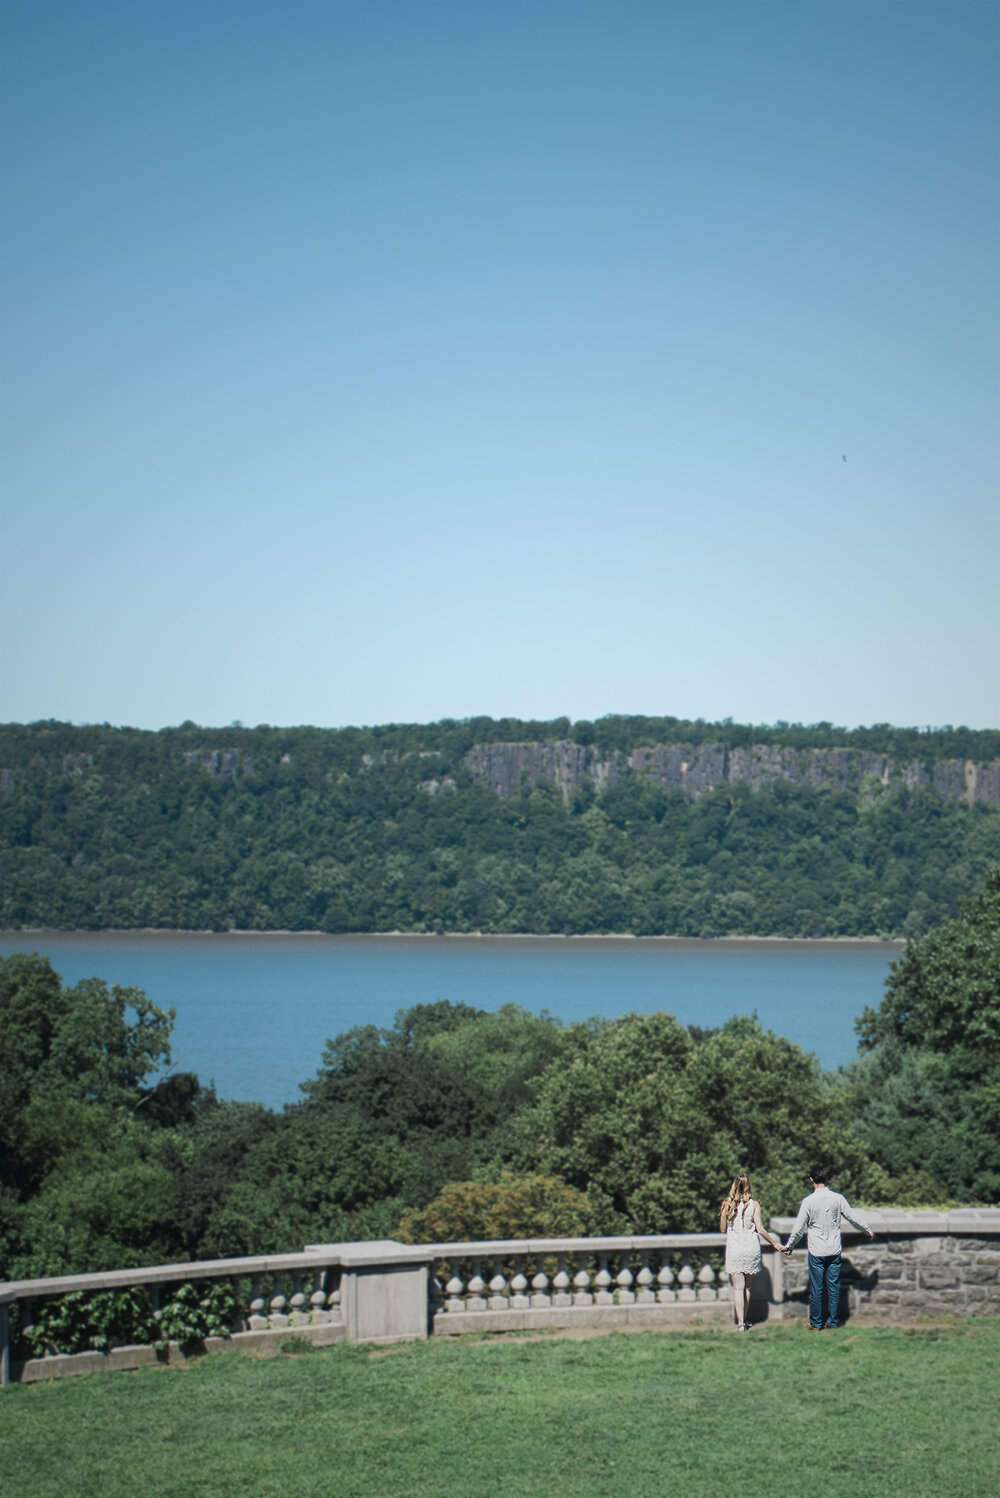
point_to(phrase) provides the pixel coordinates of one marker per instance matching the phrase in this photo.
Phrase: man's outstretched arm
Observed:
(853, 1216)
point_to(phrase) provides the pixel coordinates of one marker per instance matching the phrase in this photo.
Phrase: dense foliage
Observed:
(927, 1091)
(79, 1321)
(81, 1182)
(388, 829)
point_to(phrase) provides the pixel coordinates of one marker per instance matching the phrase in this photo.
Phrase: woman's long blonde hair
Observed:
(739, 1194)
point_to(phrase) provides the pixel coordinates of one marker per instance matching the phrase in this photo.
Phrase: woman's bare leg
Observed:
(747, 1282)
(738, 1297)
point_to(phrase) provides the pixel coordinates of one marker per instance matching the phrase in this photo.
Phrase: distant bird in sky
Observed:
(843, 457)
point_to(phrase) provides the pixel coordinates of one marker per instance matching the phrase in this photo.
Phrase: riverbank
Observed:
(555, 936)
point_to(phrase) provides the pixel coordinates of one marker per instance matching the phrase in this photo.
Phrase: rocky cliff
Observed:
(704, 767)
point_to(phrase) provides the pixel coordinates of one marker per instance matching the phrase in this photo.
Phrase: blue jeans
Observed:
(824, 1272)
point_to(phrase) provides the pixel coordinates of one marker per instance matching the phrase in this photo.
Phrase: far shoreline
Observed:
(626, 936)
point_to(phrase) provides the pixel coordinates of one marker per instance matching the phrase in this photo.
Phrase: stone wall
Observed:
(920, 1264)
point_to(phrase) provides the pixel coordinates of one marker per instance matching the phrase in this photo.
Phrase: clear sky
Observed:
(409, 359)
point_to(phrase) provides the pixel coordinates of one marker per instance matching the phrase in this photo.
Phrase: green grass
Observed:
(862, 1411)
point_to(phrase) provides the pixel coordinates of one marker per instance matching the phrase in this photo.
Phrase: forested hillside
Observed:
(644, 825)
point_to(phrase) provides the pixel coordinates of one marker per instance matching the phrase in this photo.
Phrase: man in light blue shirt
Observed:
(821, 1214)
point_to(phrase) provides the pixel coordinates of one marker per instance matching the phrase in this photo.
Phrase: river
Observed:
(254, 1011)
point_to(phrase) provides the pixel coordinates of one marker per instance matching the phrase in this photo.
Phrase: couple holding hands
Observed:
(820, 1216)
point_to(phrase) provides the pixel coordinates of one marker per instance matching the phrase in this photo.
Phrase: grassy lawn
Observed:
(863, 1411)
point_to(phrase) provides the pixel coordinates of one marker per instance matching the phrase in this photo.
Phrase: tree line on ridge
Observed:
(380, 829)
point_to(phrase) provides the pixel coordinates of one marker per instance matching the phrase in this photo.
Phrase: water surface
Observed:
(254, 1011)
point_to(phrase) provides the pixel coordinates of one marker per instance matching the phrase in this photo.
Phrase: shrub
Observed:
(510, 1206)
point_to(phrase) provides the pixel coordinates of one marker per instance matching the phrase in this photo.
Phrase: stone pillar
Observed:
(383, 1290)
(384, 1302)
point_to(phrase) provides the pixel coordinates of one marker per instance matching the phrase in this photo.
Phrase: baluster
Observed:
(453, 1289)
(237, 1321)
(333, 1296)
(644, 1279)
(277, 1315)
(519, 1300)
(686, 1277)
(540, 1300)
(258, 1307)
(665, 1279)
(603, 1295)
(317, 1300)
(477, 1285)
(435, 1290)
(498, 1291)
(706, 1281)
(581, 1287)
(27, 1322)
(298, 1316)
(561, 1284)
(624, 1280)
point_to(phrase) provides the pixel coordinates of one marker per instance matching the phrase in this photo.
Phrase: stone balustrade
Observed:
(273, 1294)
(513, 1285)
(921, 1263)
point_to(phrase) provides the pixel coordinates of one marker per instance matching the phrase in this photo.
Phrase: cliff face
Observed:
(692, 768)
(703, 767)
(227, 762)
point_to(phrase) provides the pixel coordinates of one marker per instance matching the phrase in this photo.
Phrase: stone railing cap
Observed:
(163, 1274)
(896, 1220)
(388, 1251)
(492, 1248)
(375, 1251)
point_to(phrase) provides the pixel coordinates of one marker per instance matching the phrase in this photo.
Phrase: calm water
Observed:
(253, 1012)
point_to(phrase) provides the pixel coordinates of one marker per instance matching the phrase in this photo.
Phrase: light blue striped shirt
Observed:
(821, 1212)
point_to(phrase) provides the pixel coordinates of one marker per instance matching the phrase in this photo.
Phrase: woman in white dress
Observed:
(741, 1222)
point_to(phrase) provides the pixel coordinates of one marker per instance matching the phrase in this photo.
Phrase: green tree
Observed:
(78, 1043)
(317, 1177)
(651, 1121)
(444, 1083)
(927, 1089)
(943, 994)
(80, 1183)
(206, 1157)
(100, 1200)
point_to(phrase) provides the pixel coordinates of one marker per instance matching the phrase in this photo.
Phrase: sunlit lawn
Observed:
(863, 1411)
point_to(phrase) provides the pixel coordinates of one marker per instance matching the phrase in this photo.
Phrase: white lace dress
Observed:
(742, 1242)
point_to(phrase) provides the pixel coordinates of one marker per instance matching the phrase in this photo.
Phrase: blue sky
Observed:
(388, 362)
